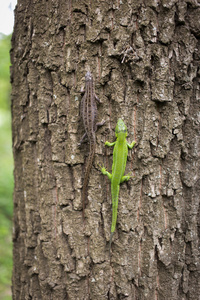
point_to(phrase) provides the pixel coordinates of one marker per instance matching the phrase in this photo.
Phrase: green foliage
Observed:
(4, 71)
(6, 171)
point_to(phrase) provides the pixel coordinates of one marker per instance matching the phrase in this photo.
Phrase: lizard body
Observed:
(120, 153)
(89, 115)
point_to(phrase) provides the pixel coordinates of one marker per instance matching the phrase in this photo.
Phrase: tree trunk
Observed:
(144, 56)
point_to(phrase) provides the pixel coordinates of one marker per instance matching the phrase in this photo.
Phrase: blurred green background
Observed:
(6, 171)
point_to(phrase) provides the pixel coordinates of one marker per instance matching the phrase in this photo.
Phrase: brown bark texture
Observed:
(144, 56)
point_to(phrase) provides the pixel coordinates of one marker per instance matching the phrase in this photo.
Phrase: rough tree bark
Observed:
(144, 56)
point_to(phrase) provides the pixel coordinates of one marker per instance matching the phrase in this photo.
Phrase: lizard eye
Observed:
(118, 131)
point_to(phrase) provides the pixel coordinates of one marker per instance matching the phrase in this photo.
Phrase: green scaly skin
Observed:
(120, 153)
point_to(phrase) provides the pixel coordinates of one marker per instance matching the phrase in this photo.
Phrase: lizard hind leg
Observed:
(83, 139)
(104, 172)
(126, 178)
(99, 124)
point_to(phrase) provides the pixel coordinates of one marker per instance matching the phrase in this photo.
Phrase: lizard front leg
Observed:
(130, 146)
(109, 144)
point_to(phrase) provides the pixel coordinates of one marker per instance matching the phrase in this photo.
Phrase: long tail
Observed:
(115, 195)
(87, 175)
(110, 242)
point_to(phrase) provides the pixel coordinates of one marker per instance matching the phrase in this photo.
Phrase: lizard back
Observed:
(89, 114)
(89, 108)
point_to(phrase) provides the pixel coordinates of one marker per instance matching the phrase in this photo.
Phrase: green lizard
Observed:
(120, 153)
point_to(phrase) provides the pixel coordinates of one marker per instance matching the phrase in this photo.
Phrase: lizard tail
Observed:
(115, 195)
(87, 175)
(111, 235)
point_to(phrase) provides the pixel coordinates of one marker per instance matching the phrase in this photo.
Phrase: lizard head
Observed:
(88, 76)
(121, 129)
